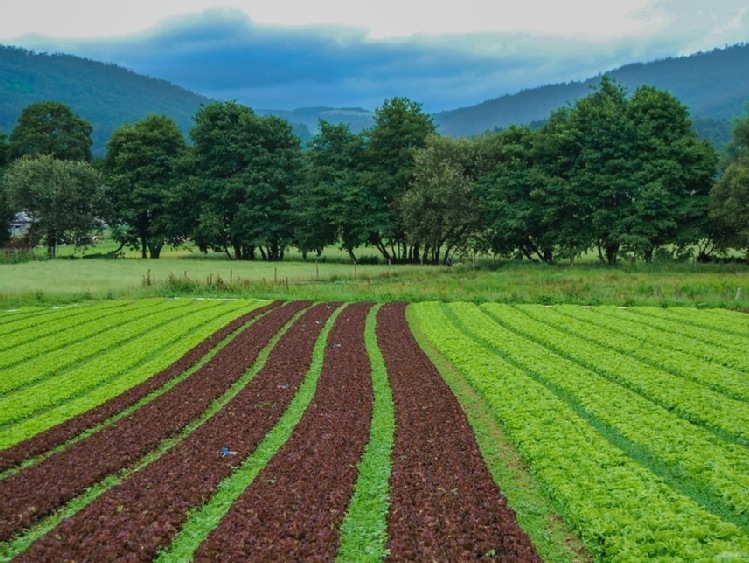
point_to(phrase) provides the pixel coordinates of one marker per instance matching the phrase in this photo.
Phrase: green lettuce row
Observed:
(126, 366)
(620, 510)
(721, 320)
(713, 472)
(597, 350)
(63, 320)
(71, 370)
(17, 364)
(364, 528)
(659, 349)
(715, 338)
(14, 320)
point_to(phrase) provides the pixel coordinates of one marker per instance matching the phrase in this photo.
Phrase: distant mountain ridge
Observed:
(714, 85)
(107, 95)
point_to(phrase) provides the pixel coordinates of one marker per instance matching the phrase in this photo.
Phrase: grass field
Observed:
(332, 277)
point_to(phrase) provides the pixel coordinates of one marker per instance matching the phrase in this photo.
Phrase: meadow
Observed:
(72, 278)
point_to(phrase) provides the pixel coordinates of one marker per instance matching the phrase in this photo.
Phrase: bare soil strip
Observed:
(37, 490)
(71, 428)
(445, 506)
(143, 513)
(294, 508)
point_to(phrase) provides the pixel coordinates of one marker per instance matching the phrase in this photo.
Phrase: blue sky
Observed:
(285, 54)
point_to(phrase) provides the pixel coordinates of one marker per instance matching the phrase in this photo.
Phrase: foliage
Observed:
(440, 209)
(51, 128)
(401, 127)
(63, 199)
(244, 169)
(332, 206)
(141, 166)
(729, 198)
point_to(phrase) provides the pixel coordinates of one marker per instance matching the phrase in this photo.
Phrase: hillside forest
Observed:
(616, 173)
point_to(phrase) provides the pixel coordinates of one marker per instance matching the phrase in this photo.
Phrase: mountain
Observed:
(107, 95)
(714, 85)
(358, 119)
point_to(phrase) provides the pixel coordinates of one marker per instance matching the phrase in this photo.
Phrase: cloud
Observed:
(223, 54)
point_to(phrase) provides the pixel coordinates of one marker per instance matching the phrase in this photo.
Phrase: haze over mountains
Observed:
(715, 86)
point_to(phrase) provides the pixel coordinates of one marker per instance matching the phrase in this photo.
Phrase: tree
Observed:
(141, 166)
(244, 168)
(401, 127)
(515, 216)
(6, 213)
(729, 197)
(440, 210)
(674, 174)
(62, 198)
(332, 205)
(51, 128)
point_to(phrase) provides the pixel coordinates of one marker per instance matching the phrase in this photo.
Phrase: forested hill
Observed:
(107, 95)
(715, 86)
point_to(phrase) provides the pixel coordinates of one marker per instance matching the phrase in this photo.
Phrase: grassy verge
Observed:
(364, 528)
(663, 284)
(535, 512)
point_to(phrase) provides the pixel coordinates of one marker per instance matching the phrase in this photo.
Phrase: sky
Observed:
(287, 54)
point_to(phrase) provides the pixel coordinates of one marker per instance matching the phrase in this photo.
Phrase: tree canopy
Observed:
(51, 128)
(141, 164)
(63, 199)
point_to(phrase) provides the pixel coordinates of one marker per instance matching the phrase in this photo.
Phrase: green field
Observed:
(624, 427)
(333, 277)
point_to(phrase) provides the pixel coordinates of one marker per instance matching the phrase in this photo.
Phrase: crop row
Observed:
(312, 435)
(596, 448)
(35, 327)
(720, 345)
(598, 350)
(710, 469)
(721, 321)
(37, 490)
(21, 320)
(26, 363)
(666, 351)
(102, 414)
(159, 341)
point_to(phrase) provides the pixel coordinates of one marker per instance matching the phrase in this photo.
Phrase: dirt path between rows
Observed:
(61, 433)
(445, 506)
(34, 492)
(294, 508)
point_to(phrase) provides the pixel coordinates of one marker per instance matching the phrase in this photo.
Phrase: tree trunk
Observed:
(612, 250)
(52, 245)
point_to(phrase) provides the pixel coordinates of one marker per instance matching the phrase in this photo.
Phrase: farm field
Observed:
(184, 429)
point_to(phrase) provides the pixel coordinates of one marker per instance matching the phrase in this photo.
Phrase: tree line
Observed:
(613, 172)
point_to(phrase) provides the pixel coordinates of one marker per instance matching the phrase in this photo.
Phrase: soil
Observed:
(61, 433)
(35, 491)
(445, 506)
(294, 508)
